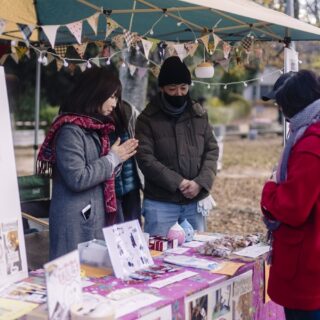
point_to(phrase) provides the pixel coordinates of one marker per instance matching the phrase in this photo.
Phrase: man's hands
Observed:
(189, 188)
(125, 150)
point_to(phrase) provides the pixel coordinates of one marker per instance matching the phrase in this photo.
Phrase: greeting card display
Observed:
(63, 285)
(127, 248)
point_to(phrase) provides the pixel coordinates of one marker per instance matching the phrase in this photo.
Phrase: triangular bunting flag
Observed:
(205, 41)
(155, 70)
(26, 31)
(171, 51)
(147, 45)
(2, 25)
(59, 64)
(3, 59)
(51, 33)
(100, 45)
(132, 69)
(128, 36)
(154, 43)
(96, 61)
(216, 40)
(80, 48)
(180, 50)
(76, 30)
(20, 51)
(224, 64)
(247, 42)
(191, 48)
(15, 57)
(142, 72)
(226, 50)
(119, 41)
(50, 58)
(93, 22)
(82, 66)
(111, 25)
(61, 51)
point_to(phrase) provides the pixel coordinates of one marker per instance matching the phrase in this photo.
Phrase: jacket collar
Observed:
(196, 109)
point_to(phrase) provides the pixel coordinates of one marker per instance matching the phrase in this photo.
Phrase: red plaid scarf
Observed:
(47, 154)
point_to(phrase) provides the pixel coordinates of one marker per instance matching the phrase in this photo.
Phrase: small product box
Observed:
(160, 243)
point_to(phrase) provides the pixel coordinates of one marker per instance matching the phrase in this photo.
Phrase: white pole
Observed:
(36, 113)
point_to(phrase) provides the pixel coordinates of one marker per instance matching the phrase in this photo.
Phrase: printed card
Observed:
(63, 285)
(127, 248)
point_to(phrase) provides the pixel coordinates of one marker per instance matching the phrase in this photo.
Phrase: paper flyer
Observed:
(13, 309)
(127, 248)
(11, 247)
(63, 285)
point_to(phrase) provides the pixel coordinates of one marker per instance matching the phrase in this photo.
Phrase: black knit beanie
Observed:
(173, 71)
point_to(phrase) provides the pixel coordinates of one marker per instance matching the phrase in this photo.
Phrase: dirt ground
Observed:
(246, 166)
(237, 188)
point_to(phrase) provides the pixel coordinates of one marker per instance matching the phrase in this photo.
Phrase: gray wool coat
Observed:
(78, 179)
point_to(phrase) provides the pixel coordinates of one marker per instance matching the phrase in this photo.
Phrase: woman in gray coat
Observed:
(78, 156)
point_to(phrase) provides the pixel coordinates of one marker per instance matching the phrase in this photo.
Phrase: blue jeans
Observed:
(301, 314)
(160, 216)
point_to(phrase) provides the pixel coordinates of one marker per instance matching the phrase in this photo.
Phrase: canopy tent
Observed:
(169, 20)
(231, 19)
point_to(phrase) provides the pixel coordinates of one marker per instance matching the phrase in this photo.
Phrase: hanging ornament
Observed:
(162, 50)
(204, 70)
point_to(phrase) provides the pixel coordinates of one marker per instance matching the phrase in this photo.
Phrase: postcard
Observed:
(11, 247)
(194, 262)
(13, 309)
(228, 268)
(253, 251)
(127, 248)
(63, 285)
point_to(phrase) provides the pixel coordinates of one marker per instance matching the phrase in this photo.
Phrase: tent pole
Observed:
(36, 113)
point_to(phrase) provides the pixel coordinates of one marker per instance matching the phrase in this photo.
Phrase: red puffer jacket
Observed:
(295, 271)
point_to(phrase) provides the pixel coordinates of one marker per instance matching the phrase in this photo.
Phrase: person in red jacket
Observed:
(290, 202)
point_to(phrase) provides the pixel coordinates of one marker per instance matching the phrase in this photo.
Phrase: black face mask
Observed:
(176, 101)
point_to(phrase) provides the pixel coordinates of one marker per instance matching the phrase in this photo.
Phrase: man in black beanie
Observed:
(177, 152)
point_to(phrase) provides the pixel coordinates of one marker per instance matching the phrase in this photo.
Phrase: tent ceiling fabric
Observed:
(233, 19)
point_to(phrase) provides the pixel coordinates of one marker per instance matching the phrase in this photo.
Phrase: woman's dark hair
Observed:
(93, 88)
(298, 92)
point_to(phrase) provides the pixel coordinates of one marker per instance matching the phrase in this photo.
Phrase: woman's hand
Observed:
(125, 150)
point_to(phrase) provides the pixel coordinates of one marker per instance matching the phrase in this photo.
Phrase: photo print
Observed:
(222, 303)
(198, 308)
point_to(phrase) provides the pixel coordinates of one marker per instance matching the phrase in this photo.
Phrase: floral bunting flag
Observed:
(180, 50)
(76, 30)
(162, 49)
(111, 25)
(226, 50)
(3, 59)
(2, 25)
(80, 48)
(191, 48)
(205, 41)
(155, 70)
(147, 45)
(51, 33)
(119, 41)
(61, 50)
(132, 69)
(93, 22)
(59, 64)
